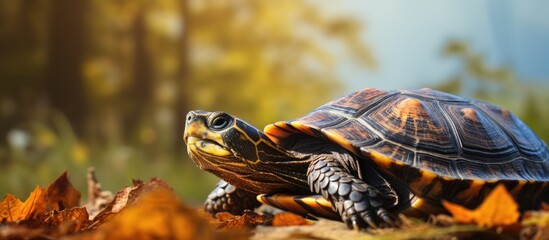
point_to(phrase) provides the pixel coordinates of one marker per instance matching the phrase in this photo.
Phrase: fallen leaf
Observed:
(57, 196)
(97, 198)
(9, 208)
(289, 219)
(12, 209)
(61, 194)
(248, 220)
(224, 216)
(70, 220)
(127, 197)
(498, 209)
(158, 214)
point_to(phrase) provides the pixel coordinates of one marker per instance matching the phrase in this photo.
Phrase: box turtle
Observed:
(370, 155)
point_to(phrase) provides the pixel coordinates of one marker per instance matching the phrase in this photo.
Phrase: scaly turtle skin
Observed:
(372, 154)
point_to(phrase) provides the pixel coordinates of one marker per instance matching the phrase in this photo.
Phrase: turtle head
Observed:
(239, 153)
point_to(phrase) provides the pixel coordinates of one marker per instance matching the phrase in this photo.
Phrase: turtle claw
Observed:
(370, 220)
(355, 225)
(388, 218)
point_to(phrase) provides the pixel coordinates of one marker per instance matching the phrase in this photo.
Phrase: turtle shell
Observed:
(419, 136)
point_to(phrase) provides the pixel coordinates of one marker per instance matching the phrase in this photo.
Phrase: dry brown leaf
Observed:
(498, 209)
(224, 216)
(73, 220)
(57, 196)
(289, 219)
(61, 194)
(97, 198)
(247, 221)
(158, 214)
(127, 197)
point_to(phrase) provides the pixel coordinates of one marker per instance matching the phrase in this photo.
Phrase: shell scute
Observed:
(356, 101)
(526, 140)
(480, 138)
(351, 133)
(396, 153)
(413, 122)
(441, 166)
(319, 119)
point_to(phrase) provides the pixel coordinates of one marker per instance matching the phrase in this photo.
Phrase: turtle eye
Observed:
(220, 122)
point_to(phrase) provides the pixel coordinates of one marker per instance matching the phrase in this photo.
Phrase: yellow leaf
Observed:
(9, 208)
(158, 214)
(31, 207)
(498, 209)
(57, 196)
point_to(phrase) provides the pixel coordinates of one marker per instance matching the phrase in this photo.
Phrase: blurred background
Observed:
(107, 83)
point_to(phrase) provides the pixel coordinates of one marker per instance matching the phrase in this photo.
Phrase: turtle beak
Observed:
(189, 124)
(195, 126)
(198, 136)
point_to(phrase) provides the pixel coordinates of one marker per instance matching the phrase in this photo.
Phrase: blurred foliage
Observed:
(499, 85)
(108, 83)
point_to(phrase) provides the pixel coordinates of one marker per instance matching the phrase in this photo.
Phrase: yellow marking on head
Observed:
(198, 136)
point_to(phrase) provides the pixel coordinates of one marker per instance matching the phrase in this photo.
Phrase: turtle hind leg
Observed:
(228, 198)
(359, 204)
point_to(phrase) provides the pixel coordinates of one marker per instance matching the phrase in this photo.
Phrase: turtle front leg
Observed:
(228, 198)
(359, 204)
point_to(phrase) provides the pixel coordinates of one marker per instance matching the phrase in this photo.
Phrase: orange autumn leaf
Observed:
(158, 214)
(9, 208)
(289, 219)
(248, 220)
(61, 194)
(57, 196)
(12, 209)
(72, 215)
(128, 196)
(498, 209)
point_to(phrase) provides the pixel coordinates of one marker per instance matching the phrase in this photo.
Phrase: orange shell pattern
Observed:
(427, 131)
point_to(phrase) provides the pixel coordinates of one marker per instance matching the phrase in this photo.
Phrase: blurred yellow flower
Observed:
(44, 137)
(79, 153)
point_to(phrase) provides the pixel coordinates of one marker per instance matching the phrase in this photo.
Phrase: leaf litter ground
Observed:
(151, 210)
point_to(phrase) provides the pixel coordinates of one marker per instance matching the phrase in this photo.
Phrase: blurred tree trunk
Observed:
(184, 72)
(141, 90)
(64, 83)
